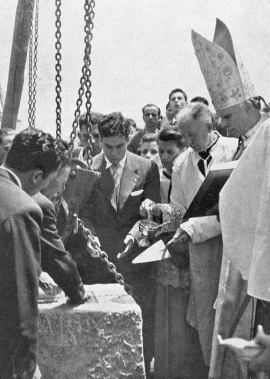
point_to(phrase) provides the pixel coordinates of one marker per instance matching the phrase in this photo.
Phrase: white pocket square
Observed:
(136, 193)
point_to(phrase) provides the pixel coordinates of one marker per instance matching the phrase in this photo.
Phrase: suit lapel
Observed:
(105, 182)
(129, 180)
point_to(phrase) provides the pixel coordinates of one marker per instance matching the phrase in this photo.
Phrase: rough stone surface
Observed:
(100, 339)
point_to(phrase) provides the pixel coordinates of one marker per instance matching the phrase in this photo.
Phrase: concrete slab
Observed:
(99, 339)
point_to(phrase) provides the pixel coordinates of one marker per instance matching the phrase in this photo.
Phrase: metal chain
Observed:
(35, 64)
(58, 68)
(33, 44)
(89, 25)
(30, 85)
(85, 80)
(58, 201)
(104, 257)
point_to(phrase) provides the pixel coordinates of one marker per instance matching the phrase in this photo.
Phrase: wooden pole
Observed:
(18, 57)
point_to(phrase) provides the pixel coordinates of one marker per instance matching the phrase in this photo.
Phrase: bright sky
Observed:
(141, 50)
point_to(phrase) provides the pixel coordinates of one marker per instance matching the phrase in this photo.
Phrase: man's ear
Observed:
(36, 176)
(248, 106)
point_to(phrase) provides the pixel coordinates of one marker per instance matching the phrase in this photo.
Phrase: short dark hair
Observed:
(151, 105)
(152, 137)
(168, 105)
(4, 132)
(171, 133)
(178, 90)
(200, 99)
(95, 118)
(33, 149)
(114, 124)
(132, 122)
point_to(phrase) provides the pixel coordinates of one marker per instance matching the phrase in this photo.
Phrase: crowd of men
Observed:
(217, 279)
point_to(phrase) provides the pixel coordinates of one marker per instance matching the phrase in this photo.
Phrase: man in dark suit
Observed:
(55, 260)
(31, 163)
(112, 209)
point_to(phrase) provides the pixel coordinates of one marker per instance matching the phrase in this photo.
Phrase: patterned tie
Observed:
(116, 174)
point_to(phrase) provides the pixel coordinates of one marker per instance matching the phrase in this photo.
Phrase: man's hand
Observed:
(129, 242)
(47, 284)
(261, 362)
(180, 237)
(93, 248)
(149, 209)
(78, 302)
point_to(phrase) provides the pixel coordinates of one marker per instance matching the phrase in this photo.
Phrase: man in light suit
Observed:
(113, 208)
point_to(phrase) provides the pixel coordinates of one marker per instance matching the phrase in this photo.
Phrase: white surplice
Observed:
(245, 210)
(232, 287)
(206, 244)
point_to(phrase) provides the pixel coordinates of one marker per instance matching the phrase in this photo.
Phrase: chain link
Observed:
(58, 68)
(104, 257)
(33, 44)
(30, 72)
(85, 82)
(35, 64)
(89, 25)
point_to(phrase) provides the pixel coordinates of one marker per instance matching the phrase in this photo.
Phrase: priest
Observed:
(205, 148)
(238, 105)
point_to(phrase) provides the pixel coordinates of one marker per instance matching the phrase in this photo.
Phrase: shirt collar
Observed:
(174, 120)
(210, 147)
(17, 180)
(121, 163)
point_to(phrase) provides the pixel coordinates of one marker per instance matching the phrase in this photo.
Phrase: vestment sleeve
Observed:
(201, 229)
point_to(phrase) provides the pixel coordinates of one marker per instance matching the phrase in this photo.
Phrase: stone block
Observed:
(100, 339)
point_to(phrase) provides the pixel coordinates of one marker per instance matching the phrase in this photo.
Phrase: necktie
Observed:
(115, 171)
(206, 157)
(165, 173)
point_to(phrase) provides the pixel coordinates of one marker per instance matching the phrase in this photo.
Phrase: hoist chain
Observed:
(58, 68)
(35, 63)
(58, 201)
(103, 256)
(89, 25)
(30, 52)
(85, 82)
(33, 44)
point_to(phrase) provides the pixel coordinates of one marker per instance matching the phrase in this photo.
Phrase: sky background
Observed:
(141, 50)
